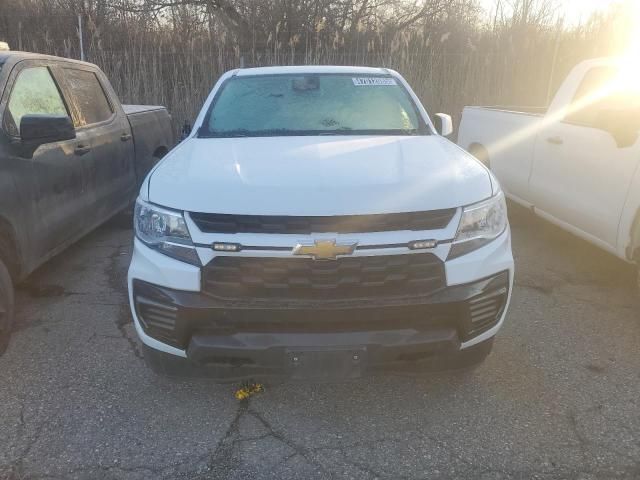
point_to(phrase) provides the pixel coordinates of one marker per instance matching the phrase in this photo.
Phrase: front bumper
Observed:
(342, 338)
(245, 338)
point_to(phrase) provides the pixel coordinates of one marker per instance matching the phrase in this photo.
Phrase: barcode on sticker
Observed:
(367, 81)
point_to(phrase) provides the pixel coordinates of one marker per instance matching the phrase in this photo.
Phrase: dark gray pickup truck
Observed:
(71, 157)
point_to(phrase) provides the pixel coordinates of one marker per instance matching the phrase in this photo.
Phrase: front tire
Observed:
(470, 358)
(6, 307)
(167, 365)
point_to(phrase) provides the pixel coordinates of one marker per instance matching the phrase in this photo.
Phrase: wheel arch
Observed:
(633, 249)
(9, 249)
(160, 152)
(479, 151)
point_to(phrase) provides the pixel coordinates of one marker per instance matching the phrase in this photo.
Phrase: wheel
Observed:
(123, 220)
(166, 365)
(469, 358)
(6, 307)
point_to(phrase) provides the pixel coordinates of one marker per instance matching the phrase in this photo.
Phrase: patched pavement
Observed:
(559, 397)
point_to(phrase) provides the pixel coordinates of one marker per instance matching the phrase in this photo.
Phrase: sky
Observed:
(574, 11)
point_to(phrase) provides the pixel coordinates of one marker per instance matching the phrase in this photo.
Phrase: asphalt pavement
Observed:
(559, 397)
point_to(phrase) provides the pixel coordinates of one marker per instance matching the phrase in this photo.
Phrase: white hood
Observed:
(333, 175)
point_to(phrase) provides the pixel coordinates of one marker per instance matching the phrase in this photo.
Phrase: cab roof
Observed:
(312, 69)
(16, 56)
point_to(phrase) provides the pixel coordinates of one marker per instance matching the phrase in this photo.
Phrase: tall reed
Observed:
(449, 62)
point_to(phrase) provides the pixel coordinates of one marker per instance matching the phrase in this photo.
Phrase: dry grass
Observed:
(449, 64)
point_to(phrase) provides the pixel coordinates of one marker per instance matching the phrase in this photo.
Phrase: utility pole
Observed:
(80, 35)
(559, 27)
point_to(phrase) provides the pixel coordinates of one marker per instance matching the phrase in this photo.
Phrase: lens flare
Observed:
(625, 85)
(629, 77)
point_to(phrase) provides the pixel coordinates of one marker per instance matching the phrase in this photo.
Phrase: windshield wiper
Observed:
(283, 132)
(243, 132)
(399, 131)
(351, 131)
(239, 132)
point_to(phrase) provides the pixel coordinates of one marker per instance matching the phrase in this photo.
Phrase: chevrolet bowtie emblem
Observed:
(325, 249)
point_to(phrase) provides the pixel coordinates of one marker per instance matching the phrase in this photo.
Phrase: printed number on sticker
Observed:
(368, 81)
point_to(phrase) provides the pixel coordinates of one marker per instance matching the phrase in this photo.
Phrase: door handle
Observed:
(81, 150)
(555, 140)
(125, 137)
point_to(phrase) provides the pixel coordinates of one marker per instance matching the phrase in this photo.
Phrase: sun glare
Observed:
(629, 77)
(634, 47)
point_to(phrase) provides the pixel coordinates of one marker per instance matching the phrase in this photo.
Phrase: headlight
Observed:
(480, 224)
(165, 231)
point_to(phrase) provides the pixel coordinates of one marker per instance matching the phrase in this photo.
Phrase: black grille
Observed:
(307, 279)
(417, 221)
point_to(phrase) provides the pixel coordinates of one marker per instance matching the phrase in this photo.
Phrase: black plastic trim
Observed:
(199, 314)
(267, 248)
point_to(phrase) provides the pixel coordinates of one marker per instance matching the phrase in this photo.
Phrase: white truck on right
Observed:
(575, 164)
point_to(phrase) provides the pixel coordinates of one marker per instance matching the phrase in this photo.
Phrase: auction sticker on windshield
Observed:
(368, 81)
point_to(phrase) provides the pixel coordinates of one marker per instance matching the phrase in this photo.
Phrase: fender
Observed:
(9, 251)
(632, 249)
(629, 227)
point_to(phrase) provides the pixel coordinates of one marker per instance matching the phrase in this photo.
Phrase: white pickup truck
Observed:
(317, 224)
(575, 164)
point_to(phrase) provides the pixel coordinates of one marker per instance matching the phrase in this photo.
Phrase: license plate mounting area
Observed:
(326, 364)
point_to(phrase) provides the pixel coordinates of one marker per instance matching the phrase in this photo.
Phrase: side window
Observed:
(34, 93)
(88, 97)
(593, 96)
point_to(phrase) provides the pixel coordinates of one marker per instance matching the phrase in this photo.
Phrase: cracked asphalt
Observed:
(559, 397)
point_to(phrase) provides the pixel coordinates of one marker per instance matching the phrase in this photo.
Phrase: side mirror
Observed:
(39, 129)
(186, 130)
(622, 124)
(443, 124)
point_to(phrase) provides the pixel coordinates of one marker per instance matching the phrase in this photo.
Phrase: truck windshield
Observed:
(312, 104)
